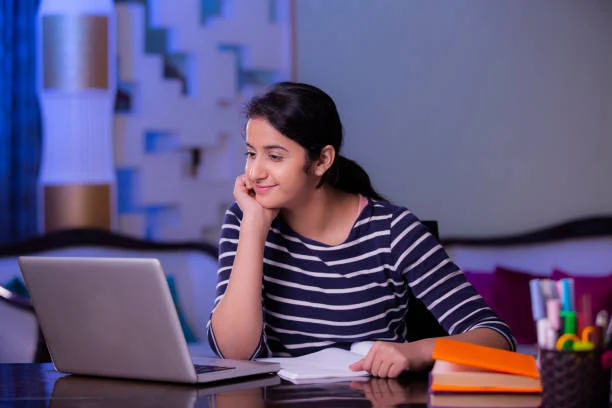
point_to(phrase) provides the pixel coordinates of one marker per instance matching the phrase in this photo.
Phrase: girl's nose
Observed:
(255, 170)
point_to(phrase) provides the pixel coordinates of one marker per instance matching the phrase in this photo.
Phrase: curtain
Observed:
(20, 123)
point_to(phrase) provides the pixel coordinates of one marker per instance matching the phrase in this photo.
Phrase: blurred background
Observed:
(491, 117)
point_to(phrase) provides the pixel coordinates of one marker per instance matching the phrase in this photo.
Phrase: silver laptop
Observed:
(114, 317)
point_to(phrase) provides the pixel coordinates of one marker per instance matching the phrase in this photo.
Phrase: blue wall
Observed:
(490, 116)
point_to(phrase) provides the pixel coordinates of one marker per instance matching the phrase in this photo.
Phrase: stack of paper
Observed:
(328, 365)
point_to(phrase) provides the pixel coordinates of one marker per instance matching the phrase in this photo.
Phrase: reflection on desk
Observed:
(41, 385)
(145, 393)
(375, 392)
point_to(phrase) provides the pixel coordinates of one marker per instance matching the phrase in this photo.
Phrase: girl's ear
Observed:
(325, 160)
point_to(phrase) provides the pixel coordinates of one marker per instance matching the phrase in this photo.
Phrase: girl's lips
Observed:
(263, 189)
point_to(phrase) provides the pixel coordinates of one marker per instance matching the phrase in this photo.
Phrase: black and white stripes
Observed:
(317, 296)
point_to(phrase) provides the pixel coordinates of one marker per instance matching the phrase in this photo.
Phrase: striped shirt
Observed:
(317, 296)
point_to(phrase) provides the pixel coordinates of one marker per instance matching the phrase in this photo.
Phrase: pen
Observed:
(601, 319)
(551, 338)
(586, 310)
(542, 329)
(596, 336)
(549, 289)
(567, 303)
(537, 300)
(569, 322)
(553, 306)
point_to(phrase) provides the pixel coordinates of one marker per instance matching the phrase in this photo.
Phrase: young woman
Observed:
(310, 256)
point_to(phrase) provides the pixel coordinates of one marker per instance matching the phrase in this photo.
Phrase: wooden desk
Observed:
(40, 385)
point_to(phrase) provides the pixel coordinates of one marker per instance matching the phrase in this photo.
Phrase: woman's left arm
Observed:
(484, 337)
(388, 360)
(443, 288)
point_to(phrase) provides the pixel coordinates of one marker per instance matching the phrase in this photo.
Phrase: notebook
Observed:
(327, 365)
(466, 367)
(114, 317)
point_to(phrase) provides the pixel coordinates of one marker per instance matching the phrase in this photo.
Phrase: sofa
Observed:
(500, 267)
(190, 269)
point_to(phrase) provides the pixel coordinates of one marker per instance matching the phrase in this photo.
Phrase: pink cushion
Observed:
(600, 288)
(483, 283)
(512, 302)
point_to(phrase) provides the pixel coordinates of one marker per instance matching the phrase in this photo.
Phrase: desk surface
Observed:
(40, 385)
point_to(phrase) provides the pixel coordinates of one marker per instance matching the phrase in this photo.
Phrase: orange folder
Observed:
(466, 367)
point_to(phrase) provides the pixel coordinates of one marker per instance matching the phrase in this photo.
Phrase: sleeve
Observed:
(437, 281)
(228, 243)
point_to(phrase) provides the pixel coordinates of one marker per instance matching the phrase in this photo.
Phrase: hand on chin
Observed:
(270, 210)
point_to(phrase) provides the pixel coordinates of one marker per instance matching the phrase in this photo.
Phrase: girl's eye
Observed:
(249, 155)
(275, 157)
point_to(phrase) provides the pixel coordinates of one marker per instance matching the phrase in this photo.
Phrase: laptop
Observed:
(114, 317)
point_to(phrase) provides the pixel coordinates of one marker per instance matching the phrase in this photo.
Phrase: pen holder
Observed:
(574, 379)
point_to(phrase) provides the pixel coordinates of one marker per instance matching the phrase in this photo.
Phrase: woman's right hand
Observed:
(245, 197)
(237, 320)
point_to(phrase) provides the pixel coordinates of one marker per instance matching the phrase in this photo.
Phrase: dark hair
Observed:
(308, 116)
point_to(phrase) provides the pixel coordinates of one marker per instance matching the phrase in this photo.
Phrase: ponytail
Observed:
(347, 175)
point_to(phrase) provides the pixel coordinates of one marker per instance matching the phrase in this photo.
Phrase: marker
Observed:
(567, 303)
(542, 328)
(537, 300)
(551, 338)
(561, 332)
(596, 336)
(553, 307)
(586, 309)
(601, 319)
(570, 322)
(580, 321)
(549, 289)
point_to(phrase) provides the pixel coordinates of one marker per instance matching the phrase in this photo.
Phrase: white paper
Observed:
(331, 364)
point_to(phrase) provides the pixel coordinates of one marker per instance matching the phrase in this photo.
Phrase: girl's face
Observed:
(275, 165)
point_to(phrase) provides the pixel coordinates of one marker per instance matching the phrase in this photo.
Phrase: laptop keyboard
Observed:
(201, 368)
